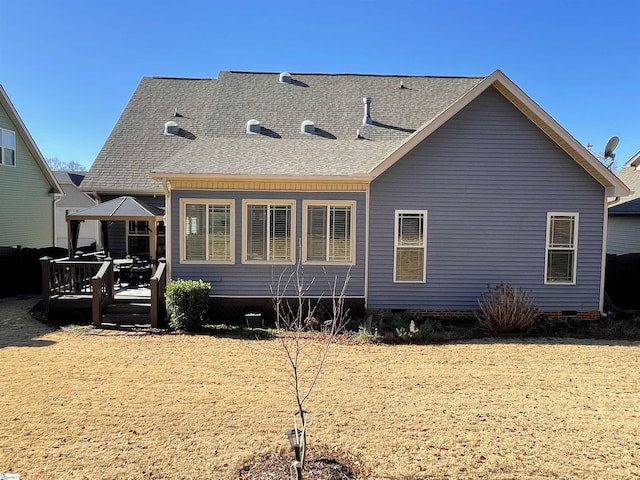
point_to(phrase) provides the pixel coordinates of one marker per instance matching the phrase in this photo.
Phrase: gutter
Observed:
(166, 186)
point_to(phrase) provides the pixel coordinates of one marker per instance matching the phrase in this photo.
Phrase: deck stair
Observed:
(127, 313)
(113, 304)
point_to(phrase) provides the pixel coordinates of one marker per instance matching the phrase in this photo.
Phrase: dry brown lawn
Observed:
(181, 406)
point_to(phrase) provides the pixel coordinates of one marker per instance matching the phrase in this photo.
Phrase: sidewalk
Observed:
(17, 326)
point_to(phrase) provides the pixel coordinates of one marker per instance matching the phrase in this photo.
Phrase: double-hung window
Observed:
(410, 259)
(7, 147)
(562, 248)
(328, 232)
(268, 233)
(207, 231)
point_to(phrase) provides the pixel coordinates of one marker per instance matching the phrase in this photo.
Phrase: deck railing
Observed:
(95, 280)
(158, 288)
(102, 285)
(67, 277)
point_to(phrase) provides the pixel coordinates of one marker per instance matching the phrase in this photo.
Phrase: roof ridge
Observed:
(381, 75)
(178, 78)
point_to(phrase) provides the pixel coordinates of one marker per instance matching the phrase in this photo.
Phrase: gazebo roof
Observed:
(121, 208)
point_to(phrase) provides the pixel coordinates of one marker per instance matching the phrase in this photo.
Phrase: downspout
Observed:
(605, 227)
(366, 250)
(98, 230)
(56, 198)
(166, 186)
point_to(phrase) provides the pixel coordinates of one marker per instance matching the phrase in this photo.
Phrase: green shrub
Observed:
(367, 331)
(410, 333)
(505, 309)
(187, 303)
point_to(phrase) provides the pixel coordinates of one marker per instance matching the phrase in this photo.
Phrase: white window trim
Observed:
(575, 215)
(352, 230)
(424, 246)
(245, 228)
(232, 230)
(15, 148)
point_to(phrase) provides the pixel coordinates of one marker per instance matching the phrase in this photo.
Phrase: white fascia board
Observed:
(31, 144)
(585, 159)
(633, 161)
(529, 108)
(260, 178)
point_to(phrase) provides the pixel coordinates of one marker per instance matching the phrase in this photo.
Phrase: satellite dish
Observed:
(610, 147)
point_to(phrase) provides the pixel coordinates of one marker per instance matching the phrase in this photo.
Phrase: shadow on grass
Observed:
(17, 330)
(615, 329)
(18, 340)
(237, 332)
(612, 330)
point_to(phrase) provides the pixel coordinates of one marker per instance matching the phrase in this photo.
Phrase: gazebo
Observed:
(119, 209)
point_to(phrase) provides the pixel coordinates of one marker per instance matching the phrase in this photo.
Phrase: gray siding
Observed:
(251, 280)
(487, 177)
(623, 234)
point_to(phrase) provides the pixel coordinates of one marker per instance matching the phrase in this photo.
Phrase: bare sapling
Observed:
(297, 313)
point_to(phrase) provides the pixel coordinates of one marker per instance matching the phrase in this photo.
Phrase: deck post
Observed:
(46, 281)
(154, 302)
(157, 290)
(96, 301)
(109, 279)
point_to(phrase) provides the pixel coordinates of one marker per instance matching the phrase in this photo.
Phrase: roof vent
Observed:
(253, 126)
(308, 127)
(285, 77)
(171, 128)
(366, 120)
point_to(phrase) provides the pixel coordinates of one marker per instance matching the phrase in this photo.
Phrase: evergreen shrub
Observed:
(187, 304)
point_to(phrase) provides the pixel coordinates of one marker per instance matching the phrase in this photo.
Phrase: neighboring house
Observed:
(624, 213)
(28, 189)
(427, 190)
(73, 199)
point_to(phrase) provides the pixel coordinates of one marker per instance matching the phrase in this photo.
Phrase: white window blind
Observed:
(410, 246)
(7, 147)
(562, 235)
(268, 236)
(328, 233)
(208, 232)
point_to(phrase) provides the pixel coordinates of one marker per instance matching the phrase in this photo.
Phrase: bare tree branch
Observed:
(295, 316)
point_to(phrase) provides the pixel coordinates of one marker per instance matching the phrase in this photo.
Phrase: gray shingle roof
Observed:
(276, 157)
(631, 177)
(137, 143)
(631, 207)
(216, 113)
(118, 208)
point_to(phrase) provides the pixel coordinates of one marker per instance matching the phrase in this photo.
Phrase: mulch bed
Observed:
(323, 465)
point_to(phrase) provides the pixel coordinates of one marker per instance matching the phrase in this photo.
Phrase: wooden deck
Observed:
(90, 285)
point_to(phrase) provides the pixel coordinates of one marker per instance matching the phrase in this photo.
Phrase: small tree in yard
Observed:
(296, 315)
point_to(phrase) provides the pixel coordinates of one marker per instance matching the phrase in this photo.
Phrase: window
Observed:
(328, 232)
(208, 231)
(268, 231)
(562, 243)
(7, 147)
(410, 259)
(138, 239)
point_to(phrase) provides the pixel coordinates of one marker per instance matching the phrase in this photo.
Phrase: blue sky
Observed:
(70, 66)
